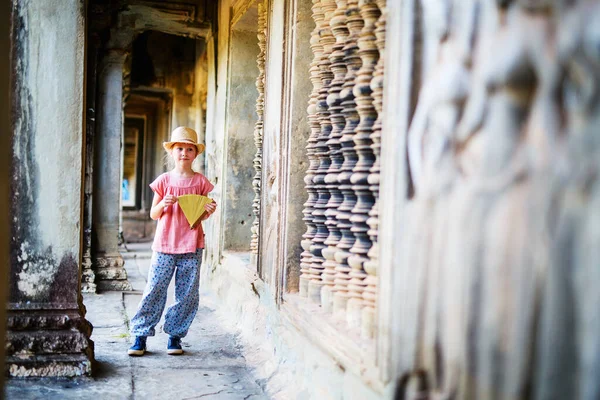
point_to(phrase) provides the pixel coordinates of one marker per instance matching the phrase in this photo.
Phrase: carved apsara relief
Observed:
(493, 237)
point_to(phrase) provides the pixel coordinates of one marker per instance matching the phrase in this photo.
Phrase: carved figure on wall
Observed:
(434, 171)
(488, 161)
(568, 330)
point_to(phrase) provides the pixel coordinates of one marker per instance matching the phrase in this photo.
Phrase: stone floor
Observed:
(212, 367)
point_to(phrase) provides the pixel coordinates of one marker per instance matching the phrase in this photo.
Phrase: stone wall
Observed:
(471, 271)
(241, 118)
(287, 361)
(218, 56)
(496, 241)
(292, 359)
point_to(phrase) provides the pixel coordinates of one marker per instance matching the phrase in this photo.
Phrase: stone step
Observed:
(54, 365)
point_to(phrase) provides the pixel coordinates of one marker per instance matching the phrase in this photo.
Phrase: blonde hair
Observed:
(170, 164)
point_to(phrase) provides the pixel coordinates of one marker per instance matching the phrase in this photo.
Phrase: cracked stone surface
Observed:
(212, 367)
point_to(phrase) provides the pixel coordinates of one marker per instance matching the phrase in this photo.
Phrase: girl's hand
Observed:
(169, 200)
(211, 207)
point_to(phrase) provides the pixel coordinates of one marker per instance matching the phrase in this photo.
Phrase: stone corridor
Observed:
(212, 367)
(408, 197)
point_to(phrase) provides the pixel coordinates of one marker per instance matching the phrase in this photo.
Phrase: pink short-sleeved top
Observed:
(173, 234)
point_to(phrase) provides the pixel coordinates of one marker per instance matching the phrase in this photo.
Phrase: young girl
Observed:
(177, 248)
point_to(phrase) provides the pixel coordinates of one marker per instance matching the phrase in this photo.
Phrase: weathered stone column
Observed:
(110, 274)
(47, 332)
(307, 273)
(334, 102)
(5, 156)
(88, 277)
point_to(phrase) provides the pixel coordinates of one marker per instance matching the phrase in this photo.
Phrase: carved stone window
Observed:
(340, 259)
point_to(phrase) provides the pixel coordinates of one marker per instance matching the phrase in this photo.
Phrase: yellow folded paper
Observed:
(192, 206)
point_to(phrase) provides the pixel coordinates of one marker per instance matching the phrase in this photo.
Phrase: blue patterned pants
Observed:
(180, 315)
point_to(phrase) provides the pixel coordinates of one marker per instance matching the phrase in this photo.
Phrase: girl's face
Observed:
(183, 154)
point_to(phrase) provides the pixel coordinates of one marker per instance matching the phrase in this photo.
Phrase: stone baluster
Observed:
(258, 128)
(368, 316)
(353, 64)
(366, 110)
(322, 151)
(338, 66)
(315, 128)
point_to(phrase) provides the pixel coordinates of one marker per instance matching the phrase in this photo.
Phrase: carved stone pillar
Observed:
(88, 277)
(322, 14)
(258, 130)
(368, 315)
(108, 262)
(322, 211)
(353, 63)
(367, 113)
(334, 102)
(48, 334)
(307, 274)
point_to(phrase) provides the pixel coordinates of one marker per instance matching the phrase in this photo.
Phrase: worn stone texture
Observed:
(107, 166)
(45, 319)
(213, 365)
(294, 138)
(47, 332)
(88, 278)
(288, 363)
(65, 366)
(487, 198)
(240, 140)
(496, 231)
(218, 56)
(271, 162)
(5, 160)
(110, 273)
(45, 145)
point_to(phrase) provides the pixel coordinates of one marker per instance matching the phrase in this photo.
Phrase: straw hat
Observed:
(184, 134)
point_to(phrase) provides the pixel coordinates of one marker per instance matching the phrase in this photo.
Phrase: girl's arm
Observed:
(159, 204)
